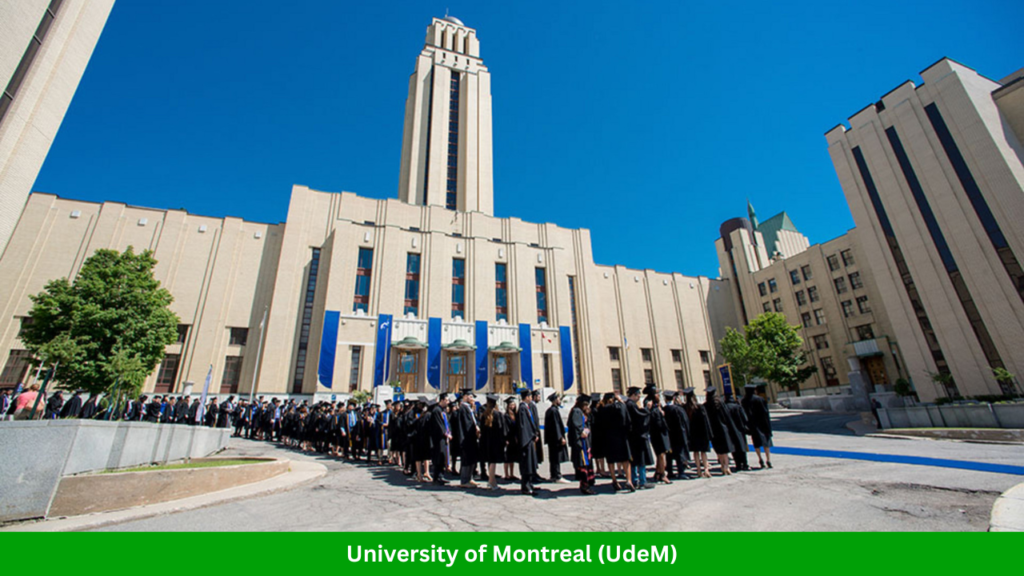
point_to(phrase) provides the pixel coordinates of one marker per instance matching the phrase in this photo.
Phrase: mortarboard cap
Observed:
(493, 397)
(633, 390)
(750, 387)
(525, 393)
(510, 399)
(669, 394)
(583, 399)
(689, 390)
(552, 397)
(650, 389)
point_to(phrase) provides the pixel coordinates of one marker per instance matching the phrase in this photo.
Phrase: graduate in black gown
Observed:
(700, 433)
(579, 443)
(678, 424)
(90, 408)
(181, 410)
(737, 431)
(440, 437)
(493, 439)
(534, 402)
(660, 441)
(422, 445)
(597, 447)
(615, 430)
(718, 420)
(469, 438)
(224, 412)
(528, 438)
(73, 407)
(554, 438)
(639, 438)
(759, 423)
(512, 449)
(54, 406)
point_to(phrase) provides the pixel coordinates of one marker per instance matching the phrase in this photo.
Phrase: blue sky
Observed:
(649, 123)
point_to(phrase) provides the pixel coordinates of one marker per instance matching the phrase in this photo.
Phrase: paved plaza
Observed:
(807, 493)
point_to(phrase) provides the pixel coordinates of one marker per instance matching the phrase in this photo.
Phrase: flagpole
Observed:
(259, 350)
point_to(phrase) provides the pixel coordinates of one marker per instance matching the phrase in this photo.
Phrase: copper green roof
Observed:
(770, 229)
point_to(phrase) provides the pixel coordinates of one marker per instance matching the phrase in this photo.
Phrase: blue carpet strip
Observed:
(897, 459)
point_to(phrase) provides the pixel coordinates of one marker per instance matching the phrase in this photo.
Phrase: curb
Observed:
(299, 472)
(1008, 511)
(959, 440)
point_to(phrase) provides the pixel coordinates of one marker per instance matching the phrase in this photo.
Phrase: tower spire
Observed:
(751, 214)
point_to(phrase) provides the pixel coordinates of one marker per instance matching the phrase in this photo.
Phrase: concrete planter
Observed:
(954, 416)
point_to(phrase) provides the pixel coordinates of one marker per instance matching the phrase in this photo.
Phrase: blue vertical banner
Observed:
(434, 352)
(526, 356)
(380, 372)
(568, 365)
(481, 354)
(726, 371)
(328, 349)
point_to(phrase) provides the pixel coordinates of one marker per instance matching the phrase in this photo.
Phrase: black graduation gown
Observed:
(193, 411)
(493, 438)
(181, 412)
(224, 414)
(210, 418)
(527, 438)
(554, 432)
(422, 447)
(700, 430)
(718, 420)
(737, 424)
(53, 407)
(759, 421)
(615, 432)
(469, 447)
(678, 429)
(536, 420)
(639, 435)
(577, 424)
(439, 440)
(72, 407)
(660, 441)
(89, 409)
(598, 445)
(512, 434)
(153, 412)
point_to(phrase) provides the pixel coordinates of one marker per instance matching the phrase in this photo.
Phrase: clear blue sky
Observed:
(649, 123)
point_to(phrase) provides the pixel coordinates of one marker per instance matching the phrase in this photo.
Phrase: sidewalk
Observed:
(1008, 511)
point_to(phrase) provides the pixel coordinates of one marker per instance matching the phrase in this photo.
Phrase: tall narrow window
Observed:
(182, 333)
(16, 368)
(364, 273)
(232, 373)
(617, 380)
(7, 96)
(307, 321)
(575, 333)
(542, 295)
(452, 189)
(412, 284)
(458, 288)
(353, 375)
(500, 292)
(167, 374)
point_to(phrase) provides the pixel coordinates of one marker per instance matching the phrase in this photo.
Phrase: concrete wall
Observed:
(35, 455)
(954, 416)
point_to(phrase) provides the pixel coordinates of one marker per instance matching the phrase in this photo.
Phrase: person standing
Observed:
(493, 438)
(700, 433)
(718, 420)
(469, 438)
(579, 444)
(737, 424)
(54, 405)
(153, 410)
(639, 438)
(90, 408)
(73, 407)
(678, 434)
(534, 402)
(441, 436)
(614, 420)
(759, 421)
(528, 439)
(596, 439)
(660, 441)
(554, 437)
(512, 449)
(227, 407)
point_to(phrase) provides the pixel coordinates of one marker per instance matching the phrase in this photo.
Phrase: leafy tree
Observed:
(769, 349)
(1005, 379)
(107, 329)
(902, 387)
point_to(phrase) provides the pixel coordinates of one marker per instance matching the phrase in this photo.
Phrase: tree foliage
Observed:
(769, 349)
(107, 329)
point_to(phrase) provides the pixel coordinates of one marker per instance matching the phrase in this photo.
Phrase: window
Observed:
(7, 96)
(501, 291)
(840, 285)
(819, 317)
(855, 281)
(833, 262)
(677, 356)
(232, 373)
(613, 354)
(847, 308)
(645, 354)
(575, 332)
(353, 375)
(812, 293)
(680, 383)
(794, 277)
(865, 332)
(801, 298)
(767, 306)
(777, 304)
(307, 313)
(762, 289)
(167, 373)
(542, 296)
(238, 336)
(452, 187)
(364, 272)
(829, 369)
(412, 284)
(805, 319)
(821, 342)
(616, 380)
(707, 378)
(458, 288)
(182, 333)
(772, 286)
(862, 304)
(705, 357)
(806, 271)
(16, 368)
(648, 377)
(847, 257)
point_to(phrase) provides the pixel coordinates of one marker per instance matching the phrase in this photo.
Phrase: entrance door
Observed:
(456, 371)
(502, 374)
(875, 367)
(408, 368)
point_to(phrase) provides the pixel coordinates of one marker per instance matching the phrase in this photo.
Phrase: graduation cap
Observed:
(525, 393)
(465, 391)
(750, 387)
(510, 399)
(422, 399)
(650, 389)
(583, 399)
(670, 394)
(552, 397)
(689, 390)
(632, 390)
(386, 402)
(493, 398)
(710, 390)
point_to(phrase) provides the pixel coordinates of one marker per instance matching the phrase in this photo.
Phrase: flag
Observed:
(202, 403)
(626, 340)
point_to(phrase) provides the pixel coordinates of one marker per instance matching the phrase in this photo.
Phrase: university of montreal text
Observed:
(605, 554)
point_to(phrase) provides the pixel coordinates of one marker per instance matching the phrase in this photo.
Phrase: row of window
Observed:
(650, 381)
(862, 305)
(11, 90)
(833, 260)
(647, 355)
(794, 275)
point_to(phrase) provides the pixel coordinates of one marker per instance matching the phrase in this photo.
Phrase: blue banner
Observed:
(434, 352)
(526, 356)
(567, 358)
(380, 372)
(726, 371)
(328, 349)
(481, 354)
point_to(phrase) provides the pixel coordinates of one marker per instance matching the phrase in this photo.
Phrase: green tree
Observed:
(107, 329)
(769, 349)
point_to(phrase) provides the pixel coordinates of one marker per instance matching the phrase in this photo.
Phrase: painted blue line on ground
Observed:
(898, 459)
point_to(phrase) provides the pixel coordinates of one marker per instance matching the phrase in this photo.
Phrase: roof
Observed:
(771, 227)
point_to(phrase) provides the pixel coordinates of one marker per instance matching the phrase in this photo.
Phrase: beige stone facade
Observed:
(934, 179)
(45, 46)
